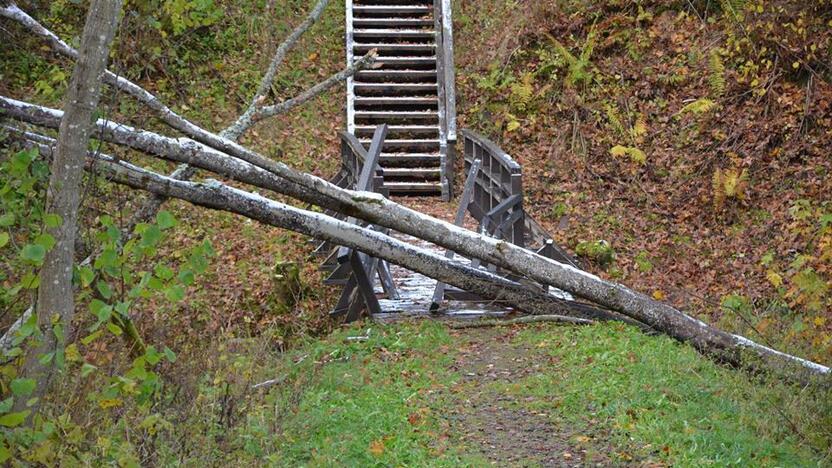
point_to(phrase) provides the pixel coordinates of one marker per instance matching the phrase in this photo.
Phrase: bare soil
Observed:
(502, 427)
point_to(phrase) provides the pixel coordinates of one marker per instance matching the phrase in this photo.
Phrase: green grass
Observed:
(381, 402)
(660, 399)
(345, 403)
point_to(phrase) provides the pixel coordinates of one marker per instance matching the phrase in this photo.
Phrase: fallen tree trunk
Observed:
(378, 210)
(216, 195)
(520, 321)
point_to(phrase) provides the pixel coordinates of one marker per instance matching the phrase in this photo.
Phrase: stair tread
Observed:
(397, 171)
(396, 72)
(397, 99)
(404, 59)
(388, 45)
(392, 21)
(397, 85)
(407, 140)
(392, 8)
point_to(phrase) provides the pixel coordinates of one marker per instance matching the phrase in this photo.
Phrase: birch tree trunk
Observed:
(55, 305)
(237, 162)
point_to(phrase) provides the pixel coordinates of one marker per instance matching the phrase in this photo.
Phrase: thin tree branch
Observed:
(520, 321)
(244, 121)
(283, 107)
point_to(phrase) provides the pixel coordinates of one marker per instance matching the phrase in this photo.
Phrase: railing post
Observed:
(519, 228)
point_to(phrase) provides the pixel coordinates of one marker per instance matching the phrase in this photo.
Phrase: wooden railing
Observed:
(353, 160)
(354, 270)
(493, 196)
(447, 94)
(497, 197)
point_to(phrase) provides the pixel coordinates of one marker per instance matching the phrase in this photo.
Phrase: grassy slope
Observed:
(385, 401)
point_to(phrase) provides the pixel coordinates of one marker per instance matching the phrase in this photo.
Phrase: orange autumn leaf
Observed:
(377, 447)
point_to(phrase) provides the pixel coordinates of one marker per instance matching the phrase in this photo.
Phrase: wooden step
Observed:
(428, 60)
(409, 159)
(392, 9)
(413, 187)
(359, 86)
(364, 47)
(411, 172)
(396, 76)
(392, 22)
(396, 115)
(391, 144)
(395, 33)
(367, 130)
(396, 100)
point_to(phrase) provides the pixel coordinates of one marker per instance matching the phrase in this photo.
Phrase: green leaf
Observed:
(4, 239)
(30, 281)
(22, 387)
(46, 240)
(91, 337)
(87, 275)
(86, 369)
(170, 355)
(186, 277)
(151, 236)
(113, 233)
(165, 220)
(108, 258)
(34, 253)
(14, 419)
(104, 289)
(5, 453)
(7, 220)
(58, 330)
(175, 293)
(101, 310)
(152, 356)
(114, 329)
(163, 272)
(46, 358)
(52, 220)
(6, 405)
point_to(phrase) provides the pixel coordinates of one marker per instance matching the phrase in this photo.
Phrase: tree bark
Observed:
(55, 306)
(520, 321)
(216, 195)
(378, 210)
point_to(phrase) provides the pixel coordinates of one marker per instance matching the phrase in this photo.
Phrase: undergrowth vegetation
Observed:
(692, 133)
(165, 300)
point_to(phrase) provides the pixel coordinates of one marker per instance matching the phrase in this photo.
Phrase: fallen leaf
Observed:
(377, 447)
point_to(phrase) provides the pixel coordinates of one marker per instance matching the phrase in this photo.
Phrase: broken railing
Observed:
(493, 197)
(354, 270)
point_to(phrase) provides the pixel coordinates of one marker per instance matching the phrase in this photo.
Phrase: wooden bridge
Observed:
(401, 139)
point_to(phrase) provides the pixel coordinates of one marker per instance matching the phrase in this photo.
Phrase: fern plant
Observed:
(729, 184)
(633, 132)
(716, 75)
(733, 8)
(579, 72)
(699, 106)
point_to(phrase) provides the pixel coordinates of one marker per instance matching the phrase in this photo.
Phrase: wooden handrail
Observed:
(497, 202)
(447, 45)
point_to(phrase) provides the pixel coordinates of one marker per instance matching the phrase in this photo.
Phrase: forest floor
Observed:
(721, 211)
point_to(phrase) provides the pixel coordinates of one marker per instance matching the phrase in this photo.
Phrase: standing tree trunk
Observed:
(55, 304)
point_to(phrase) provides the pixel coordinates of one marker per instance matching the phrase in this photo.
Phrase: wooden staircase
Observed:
(410, 89)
